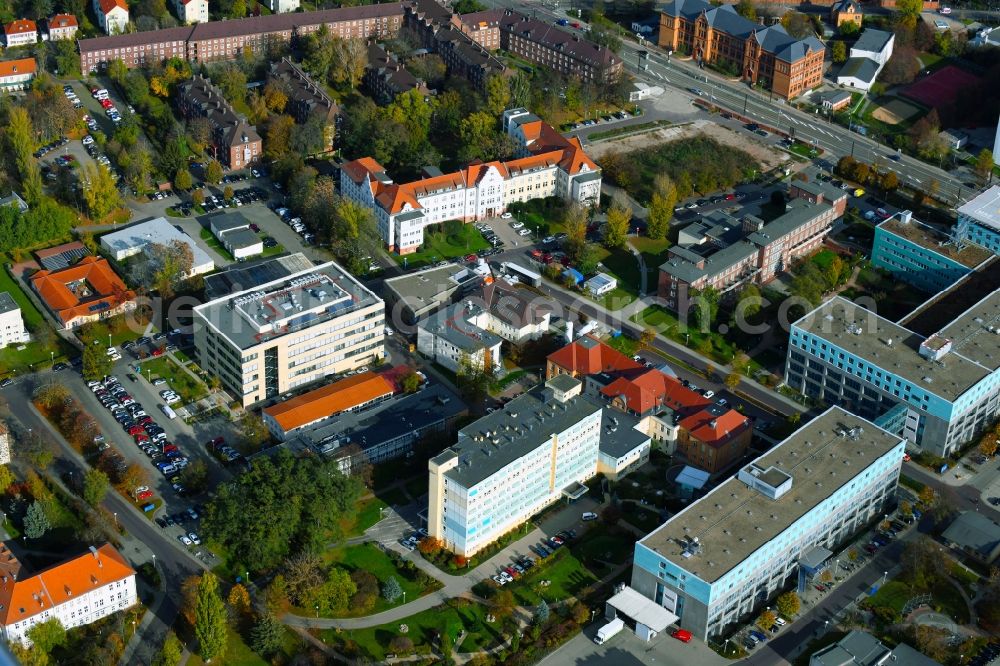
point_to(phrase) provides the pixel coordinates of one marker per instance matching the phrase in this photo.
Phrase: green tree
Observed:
(194, 477)
(984, 163)
(66, 58)
(46, 636)
(183, 180)
(619, 218)
(766, 620)
(210, 624)
(732, 381)
(171, 652)
(410, 382)
(747, 10)
(798, 24)
(21, 140)
(335, 593)
(96, 362)
(575, 223)
(541, 612)
(348, 60)
(95, 486)
(6, 478)
(661, 207)
(750, 300)
(909, 11)
(497, 95)
(213, 172)
(839, 51)
(267, 635)
(704, 307)
(391, 590)
(788, 604)
(100, 193)
(36, 523)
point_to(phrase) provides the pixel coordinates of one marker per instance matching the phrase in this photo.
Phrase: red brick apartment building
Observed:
(227, 40)
(765, 55)
(724, 253)
(542, 43)
(236, 142)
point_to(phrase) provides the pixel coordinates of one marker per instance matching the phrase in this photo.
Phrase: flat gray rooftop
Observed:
(240, 239)
(866, 335)
(424, 286)
(733, 520)
(985, 208)
(452, 324)
(247, 276)
(524, 424)
(299, 301)
(968, 254)
(7, 302)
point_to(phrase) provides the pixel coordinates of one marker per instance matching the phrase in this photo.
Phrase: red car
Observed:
(136, 430)
(144, 495)
(145, 420)
(470, 258)
(682, 635)
(139, 439)
(512, 572)
(730, 197)
(167, 448)
(158, 351)
(106, 103)
(820, 588)
(906, 457)
(575, 24)
(537, 254)
(217, 442)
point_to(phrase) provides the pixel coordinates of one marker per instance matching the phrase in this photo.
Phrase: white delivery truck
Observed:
(609, 630)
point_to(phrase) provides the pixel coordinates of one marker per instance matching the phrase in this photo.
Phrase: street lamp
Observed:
(404, 597)
(884, 575)
(116, 519)
(317, 610)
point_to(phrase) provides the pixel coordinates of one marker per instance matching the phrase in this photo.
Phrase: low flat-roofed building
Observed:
(238, 277)
(923, 256)
(242, 243)
(859, 648)
(137, 238)
(833, 100)
(600, 284)
(388, 430)
(354, 393)
(721, 558)
(979, 220)
(975, 535)
(414, 296)
(509, 465)
(290, 331)
(947, 382)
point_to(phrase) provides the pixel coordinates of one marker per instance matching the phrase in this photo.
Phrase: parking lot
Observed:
(190, 441)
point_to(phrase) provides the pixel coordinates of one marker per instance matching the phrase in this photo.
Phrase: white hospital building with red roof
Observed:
(548, 165)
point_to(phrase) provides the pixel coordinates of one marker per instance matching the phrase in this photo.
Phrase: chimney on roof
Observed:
(97, 556)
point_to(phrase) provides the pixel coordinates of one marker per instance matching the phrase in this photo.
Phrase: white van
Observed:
(168, 412)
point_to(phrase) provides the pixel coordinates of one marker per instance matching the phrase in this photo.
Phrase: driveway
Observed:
(627, 649)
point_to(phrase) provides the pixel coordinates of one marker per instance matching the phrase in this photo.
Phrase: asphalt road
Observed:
(147, 540)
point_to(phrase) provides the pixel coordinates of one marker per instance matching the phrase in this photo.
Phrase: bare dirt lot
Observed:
(895, 112)
(769, 157)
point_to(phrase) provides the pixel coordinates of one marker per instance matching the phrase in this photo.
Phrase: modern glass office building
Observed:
(719, 560)
(948, 381)
(979, 220)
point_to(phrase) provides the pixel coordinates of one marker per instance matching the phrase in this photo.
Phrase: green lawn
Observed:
(29, 312)
(893, 594)
(438, 246)
(804, 149)
(238, 653)
(186, 386)
(452, 617)
(373, 559)
(567, 576)
(367, 514)
(710, 343)
(542, 216)
(621, 263)
(50, 348)
(654, 253)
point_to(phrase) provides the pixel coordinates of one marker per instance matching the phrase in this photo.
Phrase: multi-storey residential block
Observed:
(765, 55)
(17, 74)
(280, 334)
(868, 56)
(511, 464)
(229, 40)
(191, 11)
(542, 43)
(236, 144)
(386, 77)
(12, 330)
(940, 386)
(465, 58)
(552, 166)
(112, 15)
(76, 592)
(62, 26)
(724, 253)
(719, 560)
(979, 219)
(922, 255)
(20, 32)
(306, 100)
(452, 338)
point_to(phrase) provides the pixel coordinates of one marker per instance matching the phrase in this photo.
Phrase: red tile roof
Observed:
(20, 27)
(715, 430)
(652, 389)
(21, 599)
(359, 168)
(17, 67)
(589, 356)
(63, 21)
(108, 5)
(329, 400)
(103, 287)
